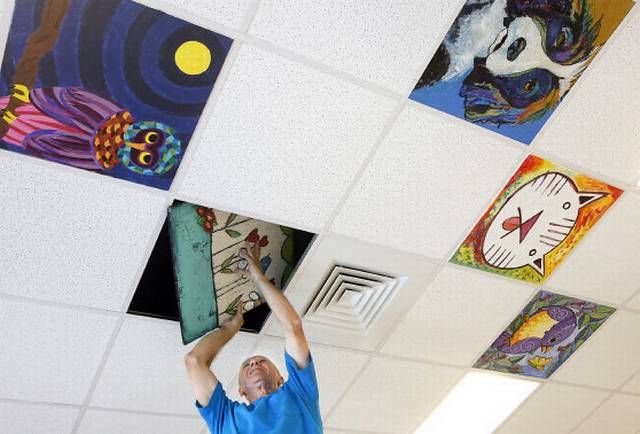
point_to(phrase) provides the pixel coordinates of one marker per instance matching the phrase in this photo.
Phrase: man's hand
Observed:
(198, 360)
(249, 266)
(237, 321)
(295, 340)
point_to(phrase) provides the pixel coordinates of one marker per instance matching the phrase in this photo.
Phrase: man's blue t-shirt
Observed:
(291, 409)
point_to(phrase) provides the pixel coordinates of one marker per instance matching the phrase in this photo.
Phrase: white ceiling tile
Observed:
(618, 415)
(17, 418)
(335, 368)
(597, 126)
(426, 185)
(457, 317)
(284, 141)
(145, 370)
(72, 237)
(611, 352)
(333, 431)
(393, 395)
(563, 408)
(50, 353)
(113, 422)
(388, 43)
(634, 303)
(633, 385)
(227, 12)
(332, 250)
(605, 265)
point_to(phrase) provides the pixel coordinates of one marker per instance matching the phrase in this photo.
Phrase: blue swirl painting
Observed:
(109, 86)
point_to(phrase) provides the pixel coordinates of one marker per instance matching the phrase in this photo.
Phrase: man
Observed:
(275, 406)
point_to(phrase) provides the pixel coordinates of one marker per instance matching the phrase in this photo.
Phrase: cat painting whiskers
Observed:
(533, 221)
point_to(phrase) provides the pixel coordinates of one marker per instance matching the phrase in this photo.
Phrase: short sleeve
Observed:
(303, 382)
(217, 411)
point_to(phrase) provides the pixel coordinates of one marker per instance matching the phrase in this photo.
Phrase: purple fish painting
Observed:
(549, 329)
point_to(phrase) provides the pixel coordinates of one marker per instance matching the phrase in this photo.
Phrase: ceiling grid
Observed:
(244, 36)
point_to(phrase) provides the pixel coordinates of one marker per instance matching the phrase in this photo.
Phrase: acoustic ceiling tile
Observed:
(426, 184)
(70, 236)
(563, 408)
(335, 368)
(393, 396)
(633, 385)
(152, 349)
(113, 422)
(459, 315)
(27, 418)
(605, 266)
(230, 13)
(284, 141)
(634, 303)
(387, 43)
(619, 415)
(50, 353)
(411, 271)
(597, 126)
(611, 352)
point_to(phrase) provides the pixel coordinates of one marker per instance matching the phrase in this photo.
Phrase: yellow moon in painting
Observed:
(193, 58)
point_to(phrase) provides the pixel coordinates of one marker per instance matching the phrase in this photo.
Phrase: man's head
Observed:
(258, 377)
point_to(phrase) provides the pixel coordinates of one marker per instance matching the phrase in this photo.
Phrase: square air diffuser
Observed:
(352, 298)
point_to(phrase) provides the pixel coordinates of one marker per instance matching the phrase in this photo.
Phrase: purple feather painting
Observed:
(549, 329)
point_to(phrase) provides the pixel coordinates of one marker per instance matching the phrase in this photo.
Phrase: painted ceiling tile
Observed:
(109, 86)
(506, 64)
(206, 245)
(609, 358)
(549, 329)
(536, 220)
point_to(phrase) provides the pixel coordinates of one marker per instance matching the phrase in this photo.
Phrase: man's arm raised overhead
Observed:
(198, 360)
(295, 341)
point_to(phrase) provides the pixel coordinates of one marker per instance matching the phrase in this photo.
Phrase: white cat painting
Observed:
(537, 218)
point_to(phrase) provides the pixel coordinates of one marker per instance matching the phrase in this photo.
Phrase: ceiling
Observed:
(310, 126)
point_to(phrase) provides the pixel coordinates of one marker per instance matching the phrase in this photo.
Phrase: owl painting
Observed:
(109, 86)
(549, 329)
(536, 220)
(75, 127)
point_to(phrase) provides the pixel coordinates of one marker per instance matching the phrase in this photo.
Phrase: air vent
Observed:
(352, 298)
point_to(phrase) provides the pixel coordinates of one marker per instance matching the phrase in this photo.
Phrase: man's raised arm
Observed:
(198, 360)
(295, 341)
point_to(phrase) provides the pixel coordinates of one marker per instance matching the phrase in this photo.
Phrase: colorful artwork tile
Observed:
(506, 64)
(549, 329)
(205, 245)
(229, 232)
(538, 217)
(109, 86)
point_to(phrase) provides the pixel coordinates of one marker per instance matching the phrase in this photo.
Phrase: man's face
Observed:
(258, 377)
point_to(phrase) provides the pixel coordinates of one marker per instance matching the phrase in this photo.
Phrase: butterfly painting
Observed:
(549, 329)
(539, 216)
